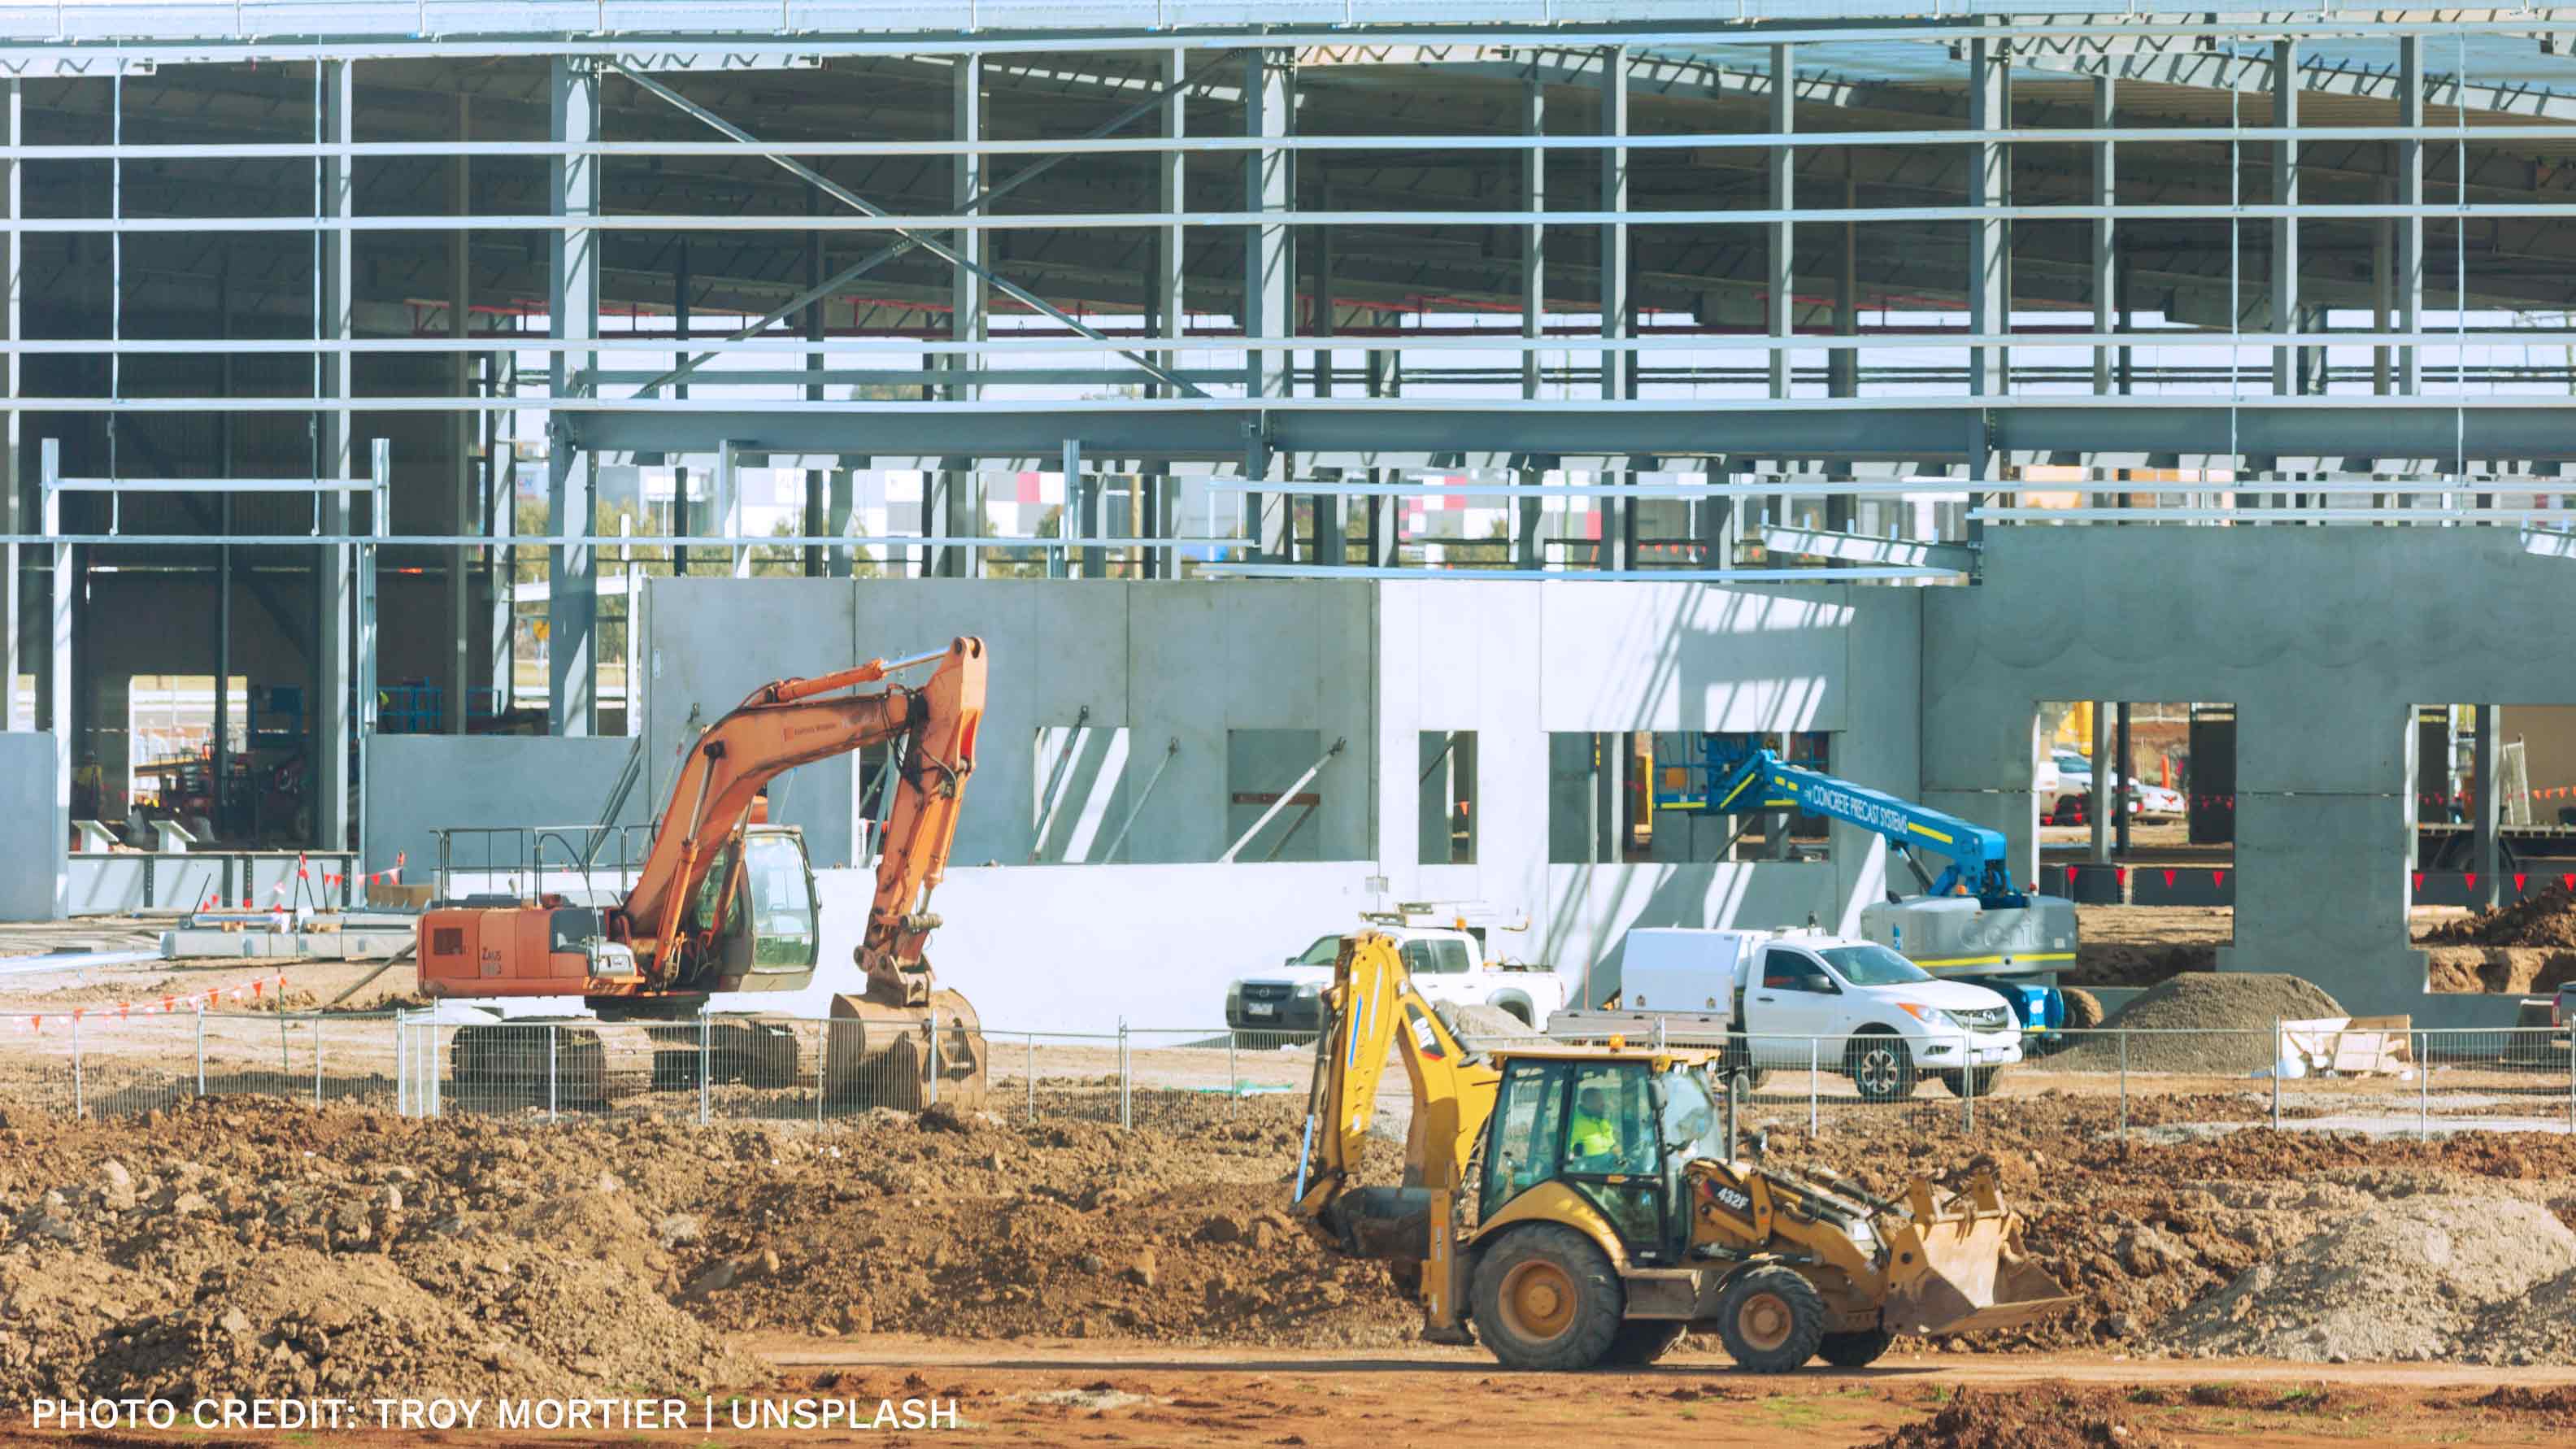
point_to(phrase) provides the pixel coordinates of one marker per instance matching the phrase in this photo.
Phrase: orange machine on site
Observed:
(724, 900)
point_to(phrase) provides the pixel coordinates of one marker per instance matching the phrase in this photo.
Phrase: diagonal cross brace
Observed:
(911, 239)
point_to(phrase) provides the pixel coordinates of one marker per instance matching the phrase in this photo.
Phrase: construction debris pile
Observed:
(2528, 946)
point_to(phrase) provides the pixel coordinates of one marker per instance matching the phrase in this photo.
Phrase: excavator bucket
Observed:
(904, 1057)
(1969, 1278)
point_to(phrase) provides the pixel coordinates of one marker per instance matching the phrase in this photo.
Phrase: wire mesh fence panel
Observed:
(1042, 1074)
(2504, 1079)
(354, 1059)
(258, 1053)
(124, 1063)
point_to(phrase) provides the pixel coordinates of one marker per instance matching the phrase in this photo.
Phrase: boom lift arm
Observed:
(1734, 782)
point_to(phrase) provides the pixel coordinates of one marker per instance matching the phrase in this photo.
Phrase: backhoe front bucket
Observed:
(1970, 1279)
(883, 1055)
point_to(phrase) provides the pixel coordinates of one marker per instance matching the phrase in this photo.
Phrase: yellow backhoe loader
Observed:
(1577, 1205)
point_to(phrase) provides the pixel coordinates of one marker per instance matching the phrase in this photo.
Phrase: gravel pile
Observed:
(2413, 1279)
(2242, 1004)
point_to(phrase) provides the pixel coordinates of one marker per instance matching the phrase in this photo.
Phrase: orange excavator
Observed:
(725, 902)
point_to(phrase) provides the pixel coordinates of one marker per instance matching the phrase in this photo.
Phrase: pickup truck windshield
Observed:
(1323, 953)
(1872, 965)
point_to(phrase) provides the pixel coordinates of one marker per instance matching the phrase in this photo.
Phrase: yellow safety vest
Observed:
(1592, 1137)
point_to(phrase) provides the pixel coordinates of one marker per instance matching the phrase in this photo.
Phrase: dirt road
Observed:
(1060, 1392)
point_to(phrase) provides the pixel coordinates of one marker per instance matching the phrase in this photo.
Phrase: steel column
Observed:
(13, 500)
(1618, 367)
(461, 433)
(1780, 282)
(2106, 192)
(573, 264)
(1989, 249)
(2285, 230)
(2410, 226)
(1269, 275)
(2484, 811)
(1530, 514)
(335, 694)
(958, 508)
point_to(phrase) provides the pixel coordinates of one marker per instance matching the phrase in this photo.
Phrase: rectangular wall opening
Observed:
(170, 738)
(1073, 812)
(1446, 798)
(2153, 876)
(2492, 886)
(1262, 770)
(1661, 797)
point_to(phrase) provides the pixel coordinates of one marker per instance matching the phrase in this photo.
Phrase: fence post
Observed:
(2124, 1086)
(705, 1062)
(285, 1053)
(1125, 1118)
(1813, 1051)
(201, 1051)
(80, 1099)
(934, 1056)
(2423, 1085)
(317, 1060)
(554, 1096)
(1030, 1076)
(1967, 1083)
(2276, 1073)
(822, 1066)
(1233, 1079)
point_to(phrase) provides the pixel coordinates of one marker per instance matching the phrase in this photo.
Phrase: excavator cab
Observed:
(757, 910)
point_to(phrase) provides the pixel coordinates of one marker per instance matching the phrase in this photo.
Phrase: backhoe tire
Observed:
(1854, 1350)
(1984, 1084)
(2083, 1010)
(1770, 1319)
(1641, 1341)
(1546, 1298)
(1881, 1067)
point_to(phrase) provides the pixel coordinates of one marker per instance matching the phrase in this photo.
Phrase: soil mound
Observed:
(2045, 1416)
(2547, 918)
(2401, 1280)
(2234, 1010)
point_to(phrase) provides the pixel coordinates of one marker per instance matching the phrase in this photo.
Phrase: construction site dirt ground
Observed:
(1076, 1394)
(1065, 1281)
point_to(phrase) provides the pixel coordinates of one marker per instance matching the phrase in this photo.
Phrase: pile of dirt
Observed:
(2399, 1281)
(2546, 918)
(2217, 1023)
(2041, 1416)
(261, 1247)
(2503, 970)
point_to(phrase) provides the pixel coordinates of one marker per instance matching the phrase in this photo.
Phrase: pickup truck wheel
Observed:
(1547, 1298)
(1770, 1319)
(1984, 1085)
(1880, 1066)
(1739, 1058)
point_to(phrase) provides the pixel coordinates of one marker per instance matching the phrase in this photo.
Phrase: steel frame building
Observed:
(1805, 288)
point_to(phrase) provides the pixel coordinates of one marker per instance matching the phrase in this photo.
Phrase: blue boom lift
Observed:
(1971, 923)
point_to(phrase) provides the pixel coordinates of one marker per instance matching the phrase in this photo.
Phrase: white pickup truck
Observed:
(1447, 962)
(1854, 1008)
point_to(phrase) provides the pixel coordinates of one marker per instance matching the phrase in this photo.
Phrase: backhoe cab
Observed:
(1578, 1206)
